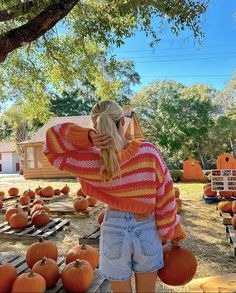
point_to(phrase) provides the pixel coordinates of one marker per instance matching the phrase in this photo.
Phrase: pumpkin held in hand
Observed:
(77, 276)
(180, 265)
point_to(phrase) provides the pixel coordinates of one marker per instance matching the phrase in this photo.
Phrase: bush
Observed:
(177, 175)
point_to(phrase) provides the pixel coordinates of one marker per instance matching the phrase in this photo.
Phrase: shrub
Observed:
(177, 175)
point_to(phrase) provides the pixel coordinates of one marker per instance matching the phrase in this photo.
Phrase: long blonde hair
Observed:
(105, 116)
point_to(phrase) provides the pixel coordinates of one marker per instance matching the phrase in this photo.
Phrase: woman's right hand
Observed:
(100, 140)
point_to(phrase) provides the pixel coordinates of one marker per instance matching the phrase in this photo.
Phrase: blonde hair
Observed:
(105, 116)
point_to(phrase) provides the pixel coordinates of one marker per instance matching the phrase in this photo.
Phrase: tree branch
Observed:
(36, 27)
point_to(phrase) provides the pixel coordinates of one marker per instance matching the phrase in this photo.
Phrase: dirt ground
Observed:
(206, 235)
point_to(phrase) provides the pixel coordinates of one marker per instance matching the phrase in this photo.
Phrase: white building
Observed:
(9, 160)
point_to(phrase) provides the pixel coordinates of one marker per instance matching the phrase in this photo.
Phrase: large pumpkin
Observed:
(12, 210)
(208, 192)
(48, 191)
(8, 274)
(77, 276)
(40, 218)
(13, 191)
(48, 269)
(65, 190)
(30, 283)
(234, 206)
(80, 204)
(225, 206)
(43, 248)
(85, 252)
(18, 220)
(180, 265)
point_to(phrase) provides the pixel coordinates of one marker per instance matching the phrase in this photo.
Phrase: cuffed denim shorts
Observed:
(128, 246)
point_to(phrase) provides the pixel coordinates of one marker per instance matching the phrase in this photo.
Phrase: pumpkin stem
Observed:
(31, 274)
(83, 246)
(43, 261)
(77, 263)
(41, 239)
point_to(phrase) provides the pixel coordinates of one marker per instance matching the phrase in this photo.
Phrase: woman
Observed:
(133, 180)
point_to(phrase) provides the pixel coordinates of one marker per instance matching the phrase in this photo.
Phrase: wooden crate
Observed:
(232, 237)
(99, 284)
(92, 237)
(225, 218)
(31, 232)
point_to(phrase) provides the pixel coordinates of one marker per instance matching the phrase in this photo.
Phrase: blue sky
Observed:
(181, 58)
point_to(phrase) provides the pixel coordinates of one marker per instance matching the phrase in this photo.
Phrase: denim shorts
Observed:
(128, 246)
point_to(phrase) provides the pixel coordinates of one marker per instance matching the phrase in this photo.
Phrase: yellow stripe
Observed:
(159, 175)
(165, 221)
(54, 142)
(165, 198)
(123, 193)
(138, 166)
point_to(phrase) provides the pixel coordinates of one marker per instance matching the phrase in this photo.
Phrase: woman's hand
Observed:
(100, 140)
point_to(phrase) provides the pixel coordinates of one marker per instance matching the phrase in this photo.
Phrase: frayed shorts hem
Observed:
(150, 271)
(115, 279)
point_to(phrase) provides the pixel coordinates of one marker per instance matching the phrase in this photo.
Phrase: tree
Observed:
(106, 21)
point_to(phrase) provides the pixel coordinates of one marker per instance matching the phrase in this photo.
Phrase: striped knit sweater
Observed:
(143, 186)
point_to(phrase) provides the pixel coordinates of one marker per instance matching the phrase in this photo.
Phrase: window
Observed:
(17, 167)
(0, 167)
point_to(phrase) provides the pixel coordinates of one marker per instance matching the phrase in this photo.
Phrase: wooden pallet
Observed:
(31, 232)
(232, 237)
(99, 284)
(225, 218)
(92, 237)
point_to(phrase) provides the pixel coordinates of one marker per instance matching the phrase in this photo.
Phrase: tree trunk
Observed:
(203, 159)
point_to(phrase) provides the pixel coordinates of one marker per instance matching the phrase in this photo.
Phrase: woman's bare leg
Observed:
(121, 286)
(146, 282)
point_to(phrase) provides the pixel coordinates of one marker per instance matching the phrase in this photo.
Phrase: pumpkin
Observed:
(85, 252)
(40, 218)
(180, 265)
(24, 200)
(77, 276)
(178, 204)
(2, 194)
(101, 218)
(38, 201)
(48, 191)
(80, 193)
(208, 192)
(1, 204)
(225, 193)
(80, 204)
(65, 190)
(57, 191)
(225, 206)
(38, 190)
(39, 207)
(176, 190)
(38, 250)
(8, 274)
(30, 283)
(91, 201)
(30, 193)
(13, 191)
(12, 210)
(233, 221)
(18, 220)
(234, 206)
(48, 269)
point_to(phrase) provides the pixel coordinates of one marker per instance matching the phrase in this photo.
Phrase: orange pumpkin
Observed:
(38, 250)
(208, 192)
(30, 193)
(77, 276)
(39, 207)
(233, 221)
(2, 194)
(12, 210)
(38, 201)
(80, 204)
(65, 190)
(85, 252)
(13, 191)
(48, 191)
(101, 218)
(80, 193)
(30, 283)
(24, 200)
(40, 218)
(1, 204)
(18, 220)
(48, 269)
(91, 201)
(225, 206)
(226, 193)
(180, 265)
(234, 206)
(38, 190)
(57, 191)
(8, 274)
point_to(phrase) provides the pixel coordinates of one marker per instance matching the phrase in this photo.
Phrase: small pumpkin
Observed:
(18, 220)
(2, 195)
(1, 204)
(101, 218)
(38, 250)
(77, 276)
(12, 210)
(91, 201)
(57, 191)
(39, 207)
(13, 191)
(40, 218)
(30, 193)
(180, 265)
(48, 269)
(30, 283)
(85, 252)
(233, 221)
(225, 206)
(8, 274)
(38, 201)
(65, 190)
(80, 204)
(80, 193)
(209, 192)
(234, 206)
(48, 191)
(38, 190)
(24, 200)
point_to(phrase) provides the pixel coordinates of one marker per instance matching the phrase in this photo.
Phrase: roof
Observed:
(7, 147)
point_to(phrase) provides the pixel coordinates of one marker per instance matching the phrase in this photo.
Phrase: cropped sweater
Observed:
(144, 184)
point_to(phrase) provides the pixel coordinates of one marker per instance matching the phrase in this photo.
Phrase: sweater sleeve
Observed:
(68, 148)
(165, 211)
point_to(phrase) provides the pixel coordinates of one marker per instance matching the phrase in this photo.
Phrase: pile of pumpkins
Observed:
(207, 191)
(41, 257)
(81, 202)
(229, 207)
